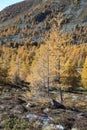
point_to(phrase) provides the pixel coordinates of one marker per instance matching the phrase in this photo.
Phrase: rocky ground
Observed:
(19, 110)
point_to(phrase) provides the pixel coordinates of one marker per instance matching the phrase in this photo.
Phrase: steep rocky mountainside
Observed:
(15, 9)
(30, 20)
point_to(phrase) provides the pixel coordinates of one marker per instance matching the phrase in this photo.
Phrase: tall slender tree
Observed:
(84, 74)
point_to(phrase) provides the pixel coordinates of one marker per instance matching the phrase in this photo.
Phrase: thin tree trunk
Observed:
(59, 83)
(48, 68)
(61, 95)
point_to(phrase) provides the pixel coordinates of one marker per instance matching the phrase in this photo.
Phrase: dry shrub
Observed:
(27, 95)
(81, 124)
(81, 104)
(66, 119)
(43, 100)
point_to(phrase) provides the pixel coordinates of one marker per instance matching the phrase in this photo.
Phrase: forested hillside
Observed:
(43, 51)
(23, 32)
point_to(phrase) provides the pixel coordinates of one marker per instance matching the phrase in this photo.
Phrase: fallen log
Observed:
(57, 104)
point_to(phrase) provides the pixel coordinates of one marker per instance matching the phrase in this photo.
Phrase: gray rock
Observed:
(31, 117)
(46, 110)
(45, 118)
(74, 129)
(60, 127)
(52, 127)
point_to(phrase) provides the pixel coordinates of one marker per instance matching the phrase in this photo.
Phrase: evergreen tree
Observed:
(84, 74)
(14, 69)
(4, 68)
(70, 77)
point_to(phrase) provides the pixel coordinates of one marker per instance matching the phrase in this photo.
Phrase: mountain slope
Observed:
(32, 19)
(15, 9)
